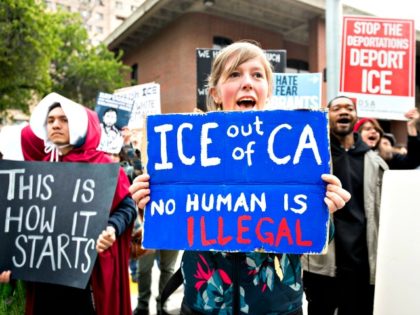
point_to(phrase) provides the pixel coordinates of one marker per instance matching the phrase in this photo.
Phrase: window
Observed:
(118, 5)
(99, 16)
(119, 19)
(219, 42)
(297, 66)
(84, 14)
(99, 29)
(134, 74)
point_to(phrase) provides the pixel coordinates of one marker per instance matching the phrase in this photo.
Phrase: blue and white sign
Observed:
(296, 91)
(238, 181)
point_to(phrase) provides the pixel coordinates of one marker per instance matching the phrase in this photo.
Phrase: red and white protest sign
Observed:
(378, 64)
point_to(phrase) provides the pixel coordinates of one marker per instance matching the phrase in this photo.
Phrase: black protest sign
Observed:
(51, 215)
(205, 58)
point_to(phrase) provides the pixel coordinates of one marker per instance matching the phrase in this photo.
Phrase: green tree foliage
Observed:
(12, 298)
(80, 71)
(47, 52)
(26, 48)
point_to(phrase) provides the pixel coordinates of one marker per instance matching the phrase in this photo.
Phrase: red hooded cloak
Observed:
(110, 278)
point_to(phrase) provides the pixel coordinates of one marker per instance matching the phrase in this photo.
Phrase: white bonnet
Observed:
(76, 116)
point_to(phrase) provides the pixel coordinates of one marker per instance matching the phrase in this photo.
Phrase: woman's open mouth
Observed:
(246, 103)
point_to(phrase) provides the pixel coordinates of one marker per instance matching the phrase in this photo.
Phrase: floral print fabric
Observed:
(265, 283)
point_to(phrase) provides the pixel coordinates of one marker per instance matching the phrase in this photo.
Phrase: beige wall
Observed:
(317, 56)
(111, 14)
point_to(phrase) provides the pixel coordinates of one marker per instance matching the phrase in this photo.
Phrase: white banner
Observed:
(397, 273)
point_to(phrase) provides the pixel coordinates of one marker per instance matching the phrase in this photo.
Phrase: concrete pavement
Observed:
(174, 302)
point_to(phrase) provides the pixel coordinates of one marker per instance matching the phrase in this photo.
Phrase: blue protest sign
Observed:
(296, 91)
(238, 181)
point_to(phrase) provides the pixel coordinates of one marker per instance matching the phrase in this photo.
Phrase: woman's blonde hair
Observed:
(239, 52)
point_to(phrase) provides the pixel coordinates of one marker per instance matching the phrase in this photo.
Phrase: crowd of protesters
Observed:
(342, 280)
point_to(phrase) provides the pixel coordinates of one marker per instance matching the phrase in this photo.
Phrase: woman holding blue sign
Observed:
(253, 282)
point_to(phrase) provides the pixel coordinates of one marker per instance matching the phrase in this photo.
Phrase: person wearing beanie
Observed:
(370, 131)
(373, 135)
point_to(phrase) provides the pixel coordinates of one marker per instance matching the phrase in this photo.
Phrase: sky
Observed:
(404, 9)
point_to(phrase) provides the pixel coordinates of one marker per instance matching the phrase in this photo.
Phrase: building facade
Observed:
(100, 17)
(160, 38)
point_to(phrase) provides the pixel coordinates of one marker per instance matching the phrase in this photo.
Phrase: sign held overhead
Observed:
(378, 66)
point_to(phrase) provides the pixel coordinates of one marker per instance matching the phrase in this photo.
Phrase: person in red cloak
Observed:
(108, 292)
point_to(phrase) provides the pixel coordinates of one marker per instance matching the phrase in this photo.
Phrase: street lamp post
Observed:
(334, 13)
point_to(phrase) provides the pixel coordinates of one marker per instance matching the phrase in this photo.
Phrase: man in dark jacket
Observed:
(344, 278)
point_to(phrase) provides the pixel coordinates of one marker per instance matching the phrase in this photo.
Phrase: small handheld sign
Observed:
(51, 215)
(123, 105)
(296, 91)
(114, 113)
(146, 99)
(238, 181)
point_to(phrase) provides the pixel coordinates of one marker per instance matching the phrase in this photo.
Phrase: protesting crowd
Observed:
(340, 281)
